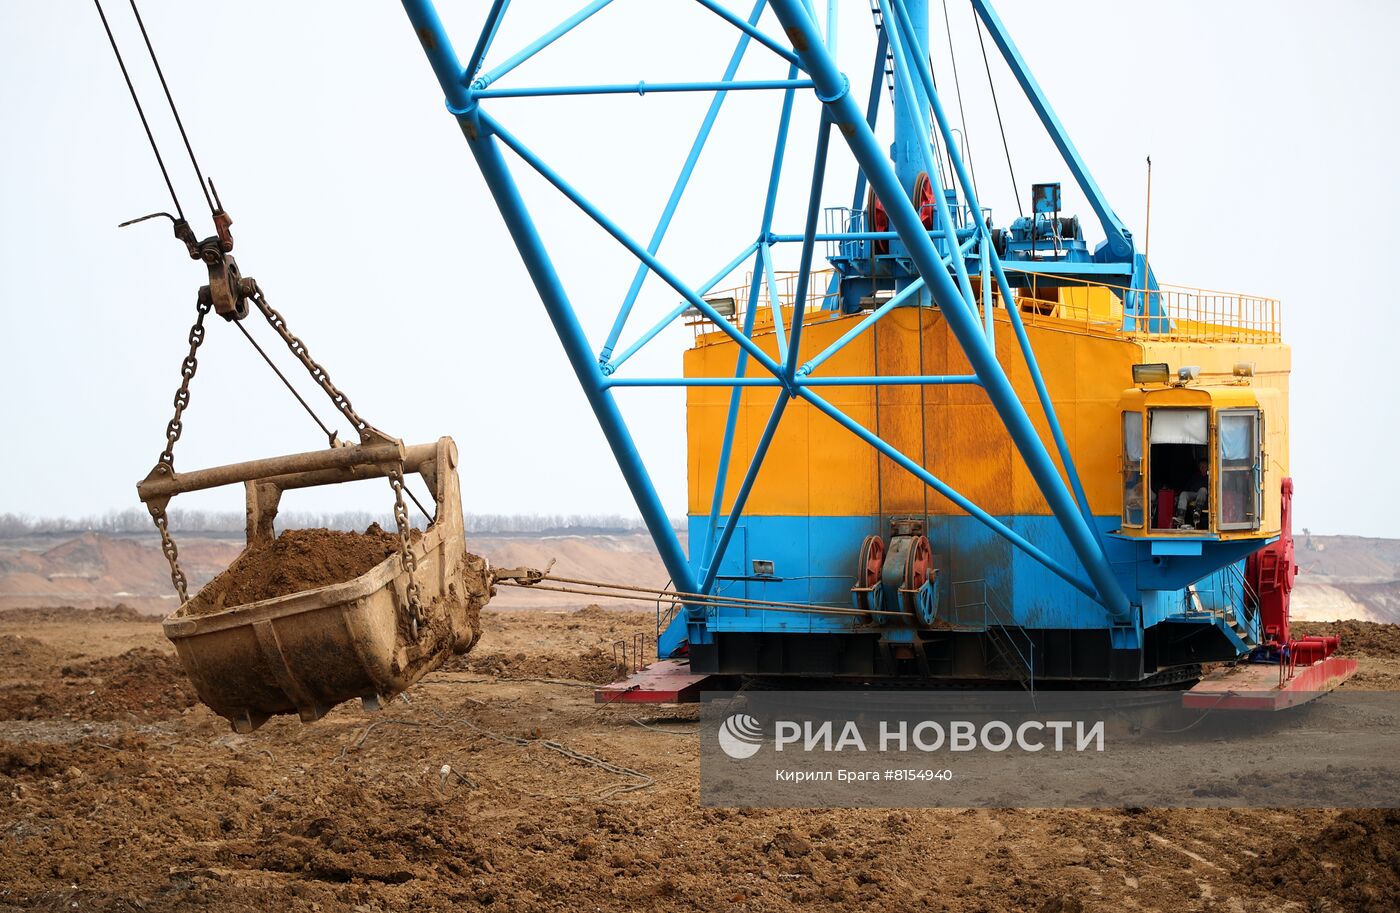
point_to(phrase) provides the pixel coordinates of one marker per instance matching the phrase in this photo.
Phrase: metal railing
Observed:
(843, 220)
(1217, 597)
(998, 622)
(1169, 313)
(733, 303)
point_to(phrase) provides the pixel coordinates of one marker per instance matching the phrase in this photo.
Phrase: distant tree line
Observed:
(135, 520)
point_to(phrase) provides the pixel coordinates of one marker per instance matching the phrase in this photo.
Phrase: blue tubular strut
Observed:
(1120, 240)
(774, 304)
(694, 382)
(488, 123)
(539, 44)
(790, 362)
(833, 89)
(731, 422)
(643, 88)
(741, 361)
(891, 380)
(612, 366)
(742, 495)
(750, 30)
(866, 323)
(903, 55)
(488, 36)
(804, 268)
(1013, 312)
(664, 223)
(872, 110)
(443, 58)
(441, 55)
(947, 491)
(883, 380)
(989, 254)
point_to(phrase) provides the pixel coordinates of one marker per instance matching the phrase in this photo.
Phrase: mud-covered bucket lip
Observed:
(331, 596)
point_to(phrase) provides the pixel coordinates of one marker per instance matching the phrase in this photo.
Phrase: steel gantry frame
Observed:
(940, 255)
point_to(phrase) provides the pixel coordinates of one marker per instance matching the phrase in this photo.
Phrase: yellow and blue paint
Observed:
(981, 395)
(822, 489)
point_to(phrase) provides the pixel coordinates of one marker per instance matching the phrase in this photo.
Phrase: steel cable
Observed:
(173, 110)
(1015, 187)
(139, 110)
(962, 111)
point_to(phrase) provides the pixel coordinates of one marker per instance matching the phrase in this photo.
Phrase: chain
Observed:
(406, 557)
(166, 464)
(365, 430)
(318, 373)
(173, 429)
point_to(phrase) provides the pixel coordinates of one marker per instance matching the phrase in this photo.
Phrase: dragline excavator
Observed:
(965, 450)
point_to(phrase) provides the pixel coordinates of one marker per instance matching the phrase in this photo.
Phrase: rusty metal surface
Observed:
(306, 652)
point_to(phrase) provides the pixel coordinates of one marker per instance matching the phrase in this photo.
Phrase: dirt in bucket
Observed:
(297, 560)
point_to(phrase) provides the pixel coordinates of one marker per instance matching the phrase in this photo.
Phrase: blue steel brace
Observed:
(1120, 240)
(954, 297)
(988, 254)
(669, 212)
(905, 220)
(438, 46)
(731, 421)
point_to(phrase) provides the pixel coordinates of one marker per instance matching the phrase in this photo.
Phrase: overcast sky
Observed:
(360, 211)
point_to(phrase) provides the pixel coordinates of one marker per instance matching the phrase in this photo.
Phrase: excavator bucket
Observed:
(307, 651)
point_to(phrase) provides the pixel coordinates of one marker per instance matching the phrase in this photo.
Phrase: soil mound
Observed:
(26, 655)
(1353, 864)
(594, 665)
(596, 612)
(145, 683)
(1366, 637)
(117, 613)
(297, 560)
(591, 611)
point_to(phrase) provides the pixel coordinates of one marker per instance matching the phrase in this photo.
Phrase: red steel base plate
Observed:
(1255, 686)
(666, 681)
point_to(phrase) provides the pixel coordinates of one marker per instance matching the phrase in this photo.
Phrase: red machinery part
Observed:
(1307, 650)
(923, 199)
(1166, 509)
(872, 561)
(879, 220)
(1270, 573)
(919, 565)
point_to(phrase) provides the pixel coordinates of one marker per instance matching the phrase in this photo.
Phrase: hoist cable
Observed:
(431, 518)
(962, 111)
(139, 110)
(937, 146)
(203, 185)
(1015, 187)
(282, 377)
(330, 435)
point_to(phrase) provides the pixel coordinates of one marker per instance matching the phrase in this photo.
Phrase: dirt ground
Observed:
(499, 785)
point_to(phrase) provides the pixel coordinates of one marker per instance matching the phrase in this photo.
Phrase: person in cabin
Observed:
(1195, 494)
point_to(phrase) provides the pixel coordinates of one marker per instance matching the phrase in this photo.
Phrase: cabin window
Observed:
(1133, 481)
(1238, 469)
(1179, 468)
